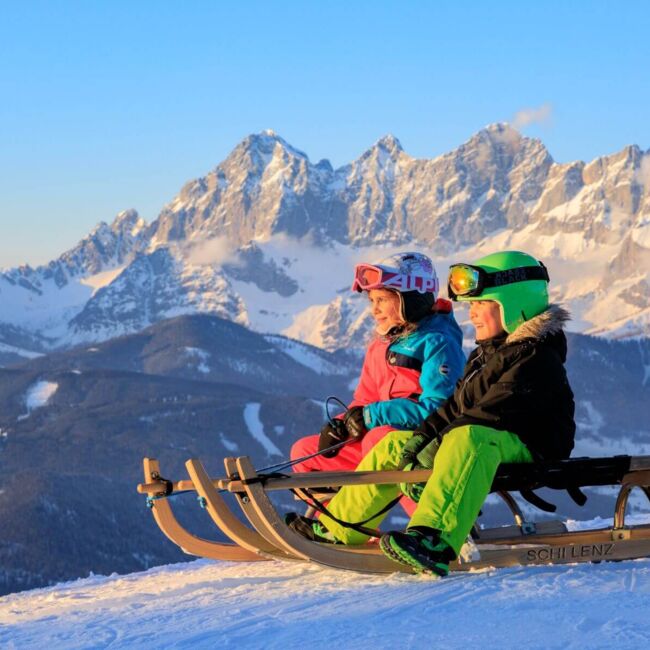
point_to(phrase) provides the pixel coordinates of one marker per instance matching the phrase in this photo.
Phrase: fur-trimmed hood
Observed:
(550, 321)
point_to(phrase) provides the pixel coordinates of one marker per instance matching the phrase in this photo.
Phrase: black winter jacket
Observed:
(517, 383)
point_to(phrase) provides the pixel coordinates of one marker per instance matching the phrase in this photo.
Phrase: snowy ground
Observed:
(205, 604)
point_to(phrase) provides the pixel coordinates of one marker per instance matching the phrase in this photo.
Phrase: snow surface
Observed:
(202, 355)
(256, 428)
(306, 356)
(12, 349)
(39, 394)
(281, 605)
(228, 444)
(48, 311)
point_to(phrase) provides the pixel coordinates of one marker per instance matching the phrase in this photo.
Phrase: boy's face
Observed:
(486, 318)
(385, 309)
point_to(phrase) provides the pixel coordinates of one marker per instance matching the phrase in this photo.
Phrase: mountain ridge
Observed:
(226, 237)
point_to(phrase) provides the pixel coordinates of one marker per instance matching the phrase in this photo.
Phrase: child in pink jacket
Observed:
(410, 367)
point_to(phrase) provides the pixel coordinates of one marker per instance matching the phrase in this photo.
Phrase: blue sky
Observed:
(111, 105)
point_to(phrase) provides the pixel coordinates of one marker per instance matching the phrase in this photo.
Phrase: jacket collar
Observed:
(489, 346)
(550, 321)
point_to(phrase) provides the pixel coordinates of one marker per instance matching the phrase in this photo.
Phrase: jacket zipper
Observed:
(479, 358)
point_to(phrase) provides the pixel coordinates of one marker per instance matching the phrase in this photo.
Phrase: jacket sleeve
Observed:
(449, 411)
(442, 365)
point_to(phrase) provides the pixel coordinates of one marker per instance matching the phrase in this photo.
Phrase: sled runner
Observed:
(170, 526)
(268, 537)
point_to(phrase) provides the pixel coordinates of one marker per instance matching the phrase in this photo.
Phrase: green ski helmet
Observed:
(517, 281)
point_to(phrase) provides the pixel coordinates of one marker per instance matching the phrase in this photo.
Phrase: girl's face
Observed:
(385, 309)
(486, 318)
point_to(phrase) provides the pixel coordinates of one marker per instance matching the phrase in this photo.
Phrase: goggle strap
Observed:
(520, 274)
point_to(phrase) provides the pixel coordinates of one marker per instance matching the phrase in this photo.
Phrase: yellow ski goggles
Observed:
(470, 281)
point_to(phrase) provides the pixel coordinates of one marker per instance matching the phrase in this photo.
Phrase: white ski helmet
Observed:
(410, 274)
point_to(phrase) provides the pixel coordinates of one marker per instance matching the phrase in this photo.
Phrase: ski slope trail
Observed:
(280, 605)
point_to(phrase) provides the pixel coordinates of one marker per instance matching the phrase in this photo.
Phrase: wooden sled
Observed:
(522, 544)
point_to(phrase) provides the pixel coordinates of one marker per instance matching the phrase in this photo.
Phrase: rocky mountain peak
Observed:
(387, 150)
(268, 145)
(105, 247)
(101, 229)
(501, 139)
(390, 143)
(501, 131)
(128, 222)
(324, 165)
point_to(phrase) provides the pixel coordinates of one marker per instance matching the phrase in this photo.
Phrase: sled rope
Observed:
(272, 471)
(359, 525)
(155, 497)
(275, 471)
(280, 466)
(263, 475)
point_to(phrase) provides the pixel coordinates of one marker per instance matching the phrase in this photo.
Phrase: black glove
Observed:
(412, 490)
(354, 422)
(424, 435)
(331, 435)
(417, 442)
(418, 453)
(428, 453)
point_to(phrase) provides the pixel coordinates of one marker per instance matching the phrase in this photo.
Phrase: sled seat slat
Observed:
(562, 474)
(511, 477)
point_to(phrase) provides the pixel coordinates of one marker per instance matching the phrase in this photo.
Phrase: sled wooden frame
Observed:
(248, 544)
(581, 546)
(272, 538)
(190, 544)
(223, 517)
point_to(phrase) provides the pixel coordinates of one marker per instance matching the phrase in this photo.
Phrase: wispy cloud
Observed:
(528, 116)
(216, 251)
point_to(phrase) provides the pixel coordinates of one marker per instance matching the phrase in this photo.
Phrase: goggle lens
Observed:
(463, 279)
(368, 276)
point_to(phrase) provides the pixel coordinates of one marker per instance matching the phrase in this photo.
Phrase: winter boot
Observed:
(422, 549)
(310, 528)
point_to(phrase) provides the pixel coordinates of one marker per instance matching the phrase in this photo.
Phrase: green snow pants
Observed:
(463, 471)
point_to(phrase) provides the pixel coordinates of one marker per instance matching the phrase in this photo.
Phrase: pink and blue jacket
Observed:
(405, 380)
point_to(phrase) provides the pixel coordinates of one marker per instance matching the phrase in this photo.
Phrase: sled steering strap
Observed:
(358, 526)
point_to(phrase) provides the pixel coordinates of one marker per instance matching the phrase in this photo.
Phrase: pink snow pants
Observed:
(347, 459)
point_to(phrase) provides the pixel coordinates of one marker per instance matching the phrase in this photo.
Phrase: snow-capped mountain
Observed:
(268, 239)
(39, 304)
(264, 187)
(156, 286)
(107, 247)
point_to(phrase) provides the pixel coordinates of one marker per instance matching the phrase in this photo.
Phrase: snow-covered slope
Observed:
(269, 239)
(275, 605)
(202, 387)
